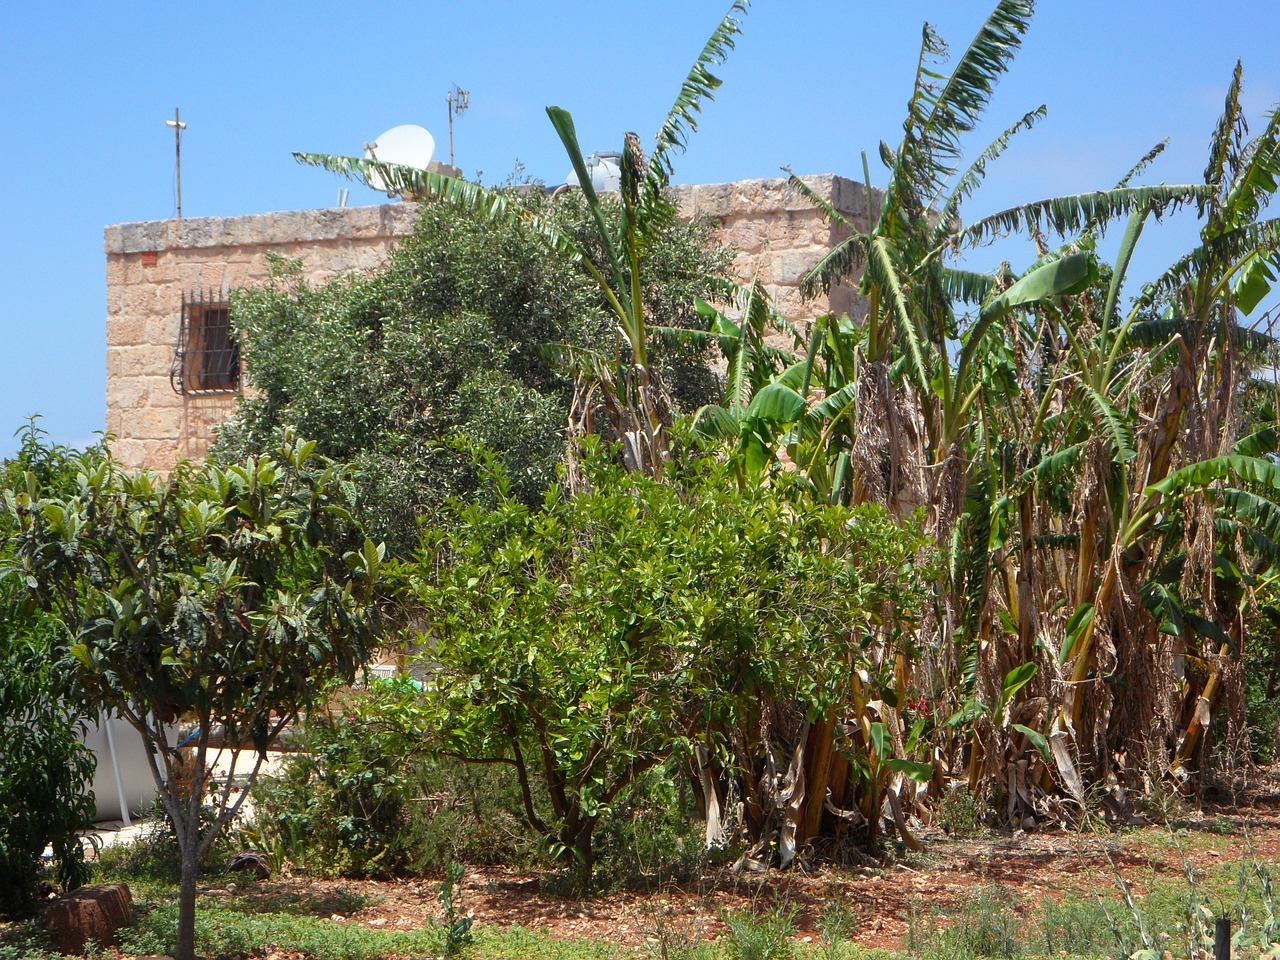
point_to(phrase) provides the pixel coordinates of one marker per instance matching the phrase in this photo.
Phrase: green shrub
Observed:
(363, 800)
(27, 941)
(447, 341)
(155, 855)
(341, 807)
(1084, 927)
(45, 771)
(648, 838)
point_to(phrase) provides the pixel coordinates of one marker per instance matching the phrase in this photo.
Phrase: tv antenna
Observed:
(178, 127)
(458, 100)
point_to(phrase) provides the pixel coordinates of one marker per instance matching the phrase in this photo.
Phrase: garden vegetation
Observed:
(1011, 536)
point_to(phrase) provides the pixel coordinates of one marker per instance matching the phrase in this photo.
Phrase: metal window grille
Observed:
(208, 356)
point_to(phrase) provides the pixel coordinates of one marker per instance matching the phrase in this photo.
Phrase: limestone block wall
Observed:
(151, 265)
(778, 234)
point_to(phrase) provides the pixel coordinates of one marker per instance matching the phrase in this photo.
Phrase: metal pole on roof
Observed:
(178, 127)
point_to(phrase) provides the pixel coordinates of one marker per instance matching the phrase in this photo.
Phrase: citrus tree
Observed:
(586, 642)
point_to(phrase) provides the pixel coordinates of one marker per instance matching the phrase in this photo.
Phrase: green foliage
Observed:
(649, 838)
(243, 928)
(760, 935)
(27, 941)
(362, 798)
(454, 927)
(154, 855)
(227, 595)
(45, 770)
(611, 630)
(836, 926)
(447, 341)
(342, 805)
(614, 253)
(983, 925)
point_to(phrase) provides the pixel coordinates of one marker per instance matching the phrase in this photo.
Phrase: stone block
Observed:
(743, 234)
(95, 912)
(125, 330)
(125, 393)
(163, 328)
(795, 228)
(156, 423)
(845, 299)
(150, 360)
(793, 199)
(162, 455)
(850, 197)
(791, 265)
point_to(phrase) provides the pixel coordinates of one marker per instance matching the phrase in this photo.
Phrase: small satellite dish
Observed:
(605, 170)
(407, 145)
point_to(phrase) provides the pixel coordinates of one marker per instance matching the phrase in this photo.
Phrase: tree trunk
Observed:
(186, 945)
(582, 854)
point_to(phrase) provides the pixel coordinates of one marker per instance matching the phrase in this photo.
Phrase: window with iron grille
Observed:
(208, 355)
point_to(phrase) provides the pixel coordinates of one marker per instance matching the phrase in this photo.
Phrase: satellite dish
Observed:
(605, 170)
(407, 145)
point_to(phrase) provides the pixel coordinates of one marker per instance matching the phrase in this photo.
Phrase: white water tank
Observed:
(605, 170)
(123, 783)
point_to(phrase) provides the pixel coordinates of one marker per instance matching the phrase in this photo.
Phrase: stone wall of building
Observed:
(149, 268)
(778, 233)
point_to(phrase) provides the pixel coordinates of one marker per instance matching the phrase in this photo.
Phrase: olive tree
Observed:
(460, 336)
(219, 600)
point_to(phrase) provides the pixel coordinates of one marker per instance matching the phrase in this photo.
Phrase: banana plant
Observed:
(1198, 338)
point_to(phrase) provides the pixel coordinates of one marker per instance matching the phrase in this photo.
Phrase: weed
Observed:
(361, 803)
(675, 937)
(761, 936)
(1080, 927)
(648, 839)
(154, 855)
(836, 925)
(454, 928)
(961, 811)
(984, 925)
(26, 941)
(223, 929)
(519, 943)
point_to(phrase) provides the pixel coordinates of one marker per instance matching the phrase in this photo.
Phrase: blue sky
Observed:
(87, 88)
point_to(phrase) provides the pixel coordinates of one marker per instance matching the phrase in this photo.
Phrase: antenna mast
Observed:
(458, 100)
(178, 127)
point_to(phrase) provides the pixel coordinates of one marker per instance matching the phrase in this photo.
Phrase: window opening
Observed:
(208, 356)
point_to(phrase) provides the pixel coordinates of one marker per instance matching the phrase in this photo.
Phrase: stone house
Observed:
(173, 365)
